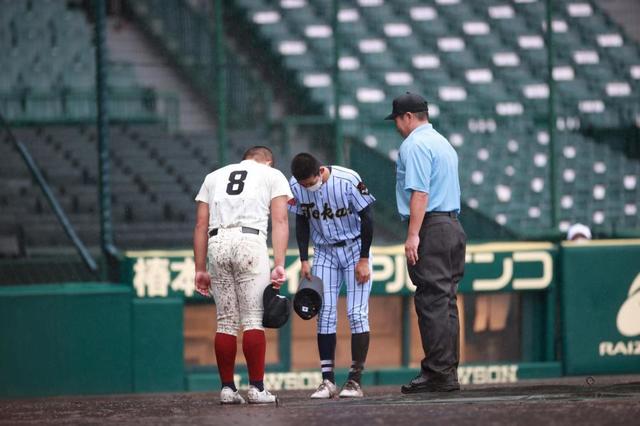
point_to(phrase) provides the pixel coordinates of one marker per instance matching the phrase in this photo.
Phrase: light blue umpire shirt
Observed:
(427, 163)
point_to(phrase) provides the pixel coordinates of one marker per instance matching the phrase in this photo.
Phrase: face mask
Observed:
(316, 186)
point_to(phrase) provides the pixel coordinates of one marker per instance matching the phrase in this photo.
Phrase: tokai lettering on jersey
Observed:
(309, 210)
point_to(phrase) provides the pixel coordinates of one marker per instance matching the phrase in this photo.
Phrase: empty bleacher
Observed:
(48, 67)
(154, 178)
(482, 65)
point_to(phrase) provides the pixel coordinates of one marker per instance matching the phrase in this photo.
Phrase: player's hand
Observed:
(411, 249)
(203, 283)
(278, 276)
(363, 273)
(305, 269)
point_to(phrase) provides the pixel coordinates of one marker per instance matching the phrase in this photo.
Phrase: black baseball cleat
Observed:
(421, 384)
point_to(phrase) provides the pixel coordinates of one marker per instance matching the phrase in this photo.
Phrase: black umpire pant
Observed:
(436, 275)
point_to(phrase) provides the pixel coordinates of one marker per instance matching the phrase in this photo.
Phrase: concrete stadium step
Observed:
(127, 43)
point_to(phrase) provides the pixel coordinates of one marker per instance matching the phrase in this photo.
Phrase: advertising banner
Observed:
(491, 267)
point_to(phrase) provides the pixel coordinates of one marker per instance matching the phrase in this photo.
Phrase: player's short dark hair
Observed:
(259, 152)
(422, 115)
(304, 165)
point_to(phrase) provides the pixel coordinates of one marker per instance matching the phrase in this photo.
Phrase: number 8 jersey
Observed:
(240, 194)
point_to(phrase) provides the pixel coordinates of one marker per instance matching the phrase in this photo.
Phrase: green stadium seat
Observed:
(513, 27)
(573, 90)
(400, 40)
(301, 62)
(586, 18)
(600, 72)
(489, 43)
(457, 12)
(375, 110)
(9, 80)
(485, 58)
(50, 48)
(354, 30)
(378, 15)
(46, 107)
(490, 93)
(301, 17)
(355, 78)
(375, 55)
(38, 78)
(427, 30)
(252, 4)
(11, 107)
(625, 55)
(6, 37)
(79, 77)
(121, 75)
(463, 59)
(535, 58)
(275, 31)
(568, 41)
(434, 77)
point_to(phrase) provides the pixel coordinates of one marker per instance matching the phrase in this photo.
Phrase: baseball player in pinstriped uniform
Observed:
(234, 203)
(332, 207)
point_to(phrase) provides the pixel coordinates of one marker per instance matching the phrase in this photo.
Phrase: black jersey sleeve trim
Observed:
(366, 230)
(302, 236)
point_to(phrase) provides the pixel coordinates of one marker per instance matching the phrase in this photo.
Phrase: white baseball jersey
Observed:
(240, 194)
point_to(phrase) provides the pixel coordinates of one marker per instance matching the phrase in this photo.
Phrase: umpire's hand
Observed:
(203, 283)
(411, 249)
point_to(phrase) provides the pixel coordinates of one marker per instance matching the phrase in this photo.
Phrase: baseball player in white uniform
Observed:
(230, 238)
(332, 206)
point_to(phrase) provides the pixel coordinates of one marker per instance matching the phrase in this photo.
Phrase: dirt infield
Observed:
(604, 400)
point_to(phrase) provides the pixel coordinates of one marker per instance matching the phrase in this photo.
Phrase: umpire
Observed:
(428, 195)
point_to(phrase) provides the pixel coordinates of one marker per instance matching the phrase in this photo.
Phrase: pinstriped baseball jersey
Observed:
(333, 209)
(333, 218)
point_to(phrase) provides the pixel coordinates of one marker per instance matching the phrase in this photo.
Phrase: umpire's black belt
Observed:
(452, 214)
(244, 230)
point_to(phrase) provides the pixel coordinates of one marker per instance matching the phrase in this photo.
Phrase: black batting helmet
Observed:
(308, 299)
(276, 308)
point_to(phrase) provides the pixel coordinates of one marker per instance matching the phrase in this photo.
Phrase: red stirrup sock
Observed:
(226, 346)
(254, 346)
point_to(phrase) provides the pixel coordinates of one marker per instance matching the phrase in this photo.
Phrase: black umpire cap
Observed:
(409, 102)
(276, 308)
(308, 299)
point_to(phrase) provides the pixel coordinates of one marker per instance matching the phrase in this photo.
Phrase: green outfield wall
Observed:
(601, 307)
(88, 338)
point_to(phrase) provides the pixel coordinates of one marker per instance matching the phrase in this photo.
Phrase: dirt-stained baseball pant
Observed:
(239, 269)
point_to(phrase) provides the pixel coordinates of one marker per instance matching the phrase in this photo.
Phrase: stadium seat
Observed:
(482, 65)
(49, 63)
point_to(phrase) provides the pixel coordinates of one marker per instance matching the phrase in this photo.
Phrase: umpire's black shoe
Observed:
(421, 384)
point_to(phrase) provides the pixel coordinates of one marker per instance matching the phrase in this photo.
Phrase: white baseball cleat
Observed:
(228, 396)
(351, 389)
(256, 397)
(326, 390)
